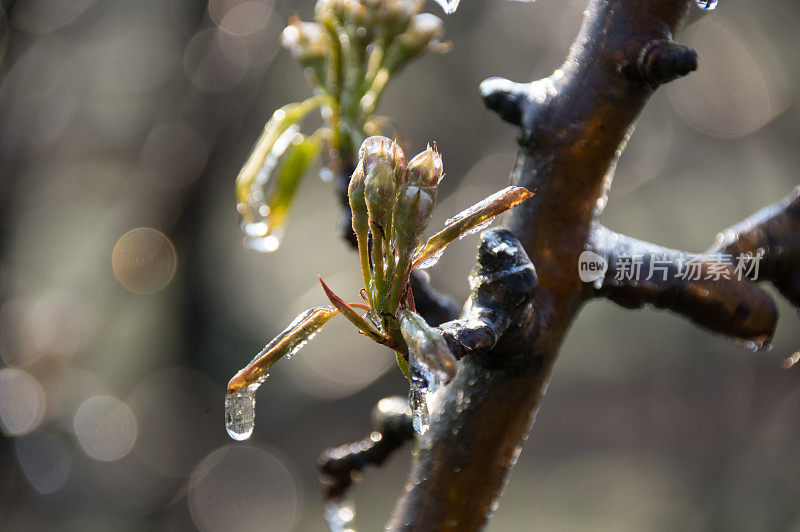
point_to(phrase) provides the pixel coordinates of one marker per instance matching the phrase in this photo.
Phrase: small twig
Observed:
(775, 232)
(391, 421)
(718, 301)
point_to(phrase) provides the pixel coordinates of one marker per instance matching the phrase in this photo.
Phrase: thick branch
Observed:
(445, 491)
(572, 126)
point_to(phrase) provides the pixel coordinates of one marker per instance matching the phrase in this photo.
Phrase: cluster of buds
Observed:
(348, 53)
(392, 203)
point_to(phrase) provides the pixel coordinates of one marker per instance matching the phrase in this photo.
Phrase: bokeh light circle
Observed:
(144, 260)
(22, 402)
(242, 487)
(105, 427)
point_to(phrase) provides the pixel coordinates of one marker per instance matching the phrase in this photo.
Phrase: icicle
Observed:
(419, 410)
(240, 412)
(430, 362)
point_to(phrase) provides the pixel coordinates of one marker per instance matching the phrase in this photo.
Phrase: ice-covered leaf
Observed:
(279, 135)
(287, 343)
(266, 233)
(469, 221)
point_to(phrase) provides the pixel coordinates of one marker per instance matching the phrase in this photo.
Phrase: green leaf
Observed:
(470, 221)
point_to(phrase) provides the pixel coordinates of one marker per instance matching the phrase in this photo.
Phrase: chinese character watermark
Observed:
(661, 267)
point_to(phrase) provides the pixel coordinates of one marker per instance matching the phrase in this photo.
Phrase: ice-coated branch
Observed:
(391, 424)
(459, 463)
(703, 288)
(503, 284)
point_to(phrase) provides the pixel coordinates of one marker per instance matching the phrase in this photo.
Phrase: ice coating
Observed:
(430, 362)
(240, 401)
(260, 233)
(339, 515)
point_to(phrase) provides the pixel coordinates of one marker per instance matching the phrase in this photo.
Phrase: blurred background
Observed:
(127, 300)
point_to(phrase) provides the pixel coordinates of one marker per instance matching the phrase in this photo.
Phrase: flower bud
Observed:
(306, 40)
(423, 31)
(413, 211)
(380, 191)
(430, 362)
(425, 169)
(378, 147)
(358, 205)
(394, 15)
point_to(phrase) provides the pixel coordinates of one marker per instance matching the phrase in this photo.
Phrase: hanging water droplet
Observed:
(240, 413)
(707, 5)
(449, 6)
(419, 410)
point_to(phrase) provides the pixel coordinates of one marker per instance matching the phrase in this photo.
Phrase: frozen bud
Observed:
(430, 362)
(306, 40)
(379, 191)
(358, 206)
(425, 169)
(423, 29)
(378, 147)
(412, 213)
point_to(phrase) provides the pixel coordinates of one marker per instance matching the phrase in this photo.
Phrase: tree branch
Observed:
(775, 230)
(391, 423)
(705, 289)
(446, 489)
(572, 126)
